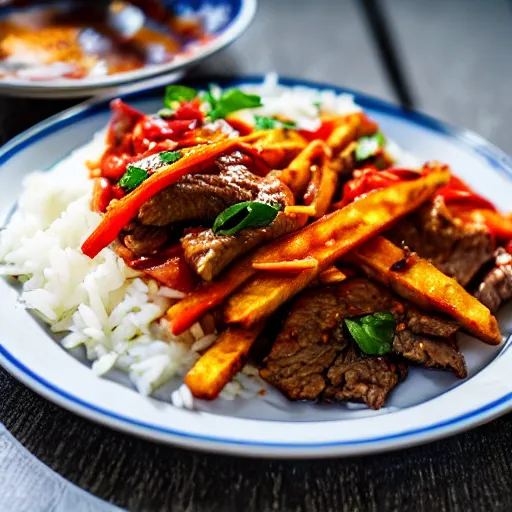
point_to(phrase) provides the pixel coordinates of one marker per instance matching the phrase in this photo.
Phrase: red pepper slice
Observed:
(463, 196)
(240, 126)
(498, 225)
(189, 110)
(169, 268)
(123, 120)
(372, 179)
(174, 273)
(323, 132)
(102, 194)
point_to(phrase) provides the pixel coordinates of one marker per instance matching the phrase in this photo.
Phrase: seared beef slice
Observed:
(314, 357)
(355, 378)
(496, 286)
(457, 250)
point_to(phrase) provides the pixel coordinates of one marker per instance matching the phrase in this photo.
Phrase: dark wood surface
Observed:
(456, 55)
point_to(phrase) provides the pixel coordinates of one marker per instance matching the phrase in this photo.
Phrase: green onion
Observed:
(373, 333)
(369, 146)
(230, 101)
(132, 178)
(169, 157)
(177, 93)
(249, 214)
(267, 123)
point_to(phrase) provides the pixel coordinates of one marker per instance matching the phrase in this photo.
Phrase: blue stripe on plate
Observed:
(105, 412)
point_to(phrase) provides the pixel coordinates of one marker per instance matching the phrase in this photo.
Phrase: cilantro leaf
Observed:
(249, 214)
(373, 333)
(169, 157)
(232, 101)
(132, 178)
(177, 93)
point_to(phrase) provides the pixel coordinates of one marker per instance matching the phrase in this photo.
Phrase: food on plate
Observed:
(259, 236)
(39, 43)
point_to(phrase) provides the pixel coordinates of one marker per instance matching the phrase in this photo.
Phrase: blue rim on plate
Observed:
(494, 156)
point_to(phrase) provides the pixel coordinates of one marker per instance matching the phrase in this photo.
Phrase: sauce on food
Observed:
(93, 40)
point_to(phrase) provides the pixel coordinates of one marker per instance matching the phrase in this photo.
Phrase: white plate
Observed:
(428, 405)
(225, 20)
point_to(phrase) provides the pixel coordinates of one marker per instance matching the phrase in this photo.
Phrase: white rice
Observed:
(101, 304)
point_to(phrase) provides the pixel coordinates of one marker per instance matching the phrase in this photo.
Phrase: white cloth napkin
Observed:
(27, 485)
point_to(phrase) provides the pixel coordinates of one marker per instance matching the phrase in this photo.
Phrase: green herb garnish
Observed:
(177, 93)
(264, 123)
(267, 123)
(373, 333)
(249, 214)
(230, 101)
(166, 113)
(369, 146)
(169, 157)
(132, 178)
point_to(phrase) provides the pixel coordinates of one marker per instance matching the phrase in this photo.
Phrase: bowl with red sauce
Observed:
(81, 48)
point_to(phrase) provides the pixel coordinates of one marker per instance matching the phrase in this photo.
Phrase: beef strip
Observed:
(356, 378)
(430, 352)
(144, 240)
(314, 357)
(496, 286)
(209, 253)
(201, 197)
(430, 325)
(457, 250)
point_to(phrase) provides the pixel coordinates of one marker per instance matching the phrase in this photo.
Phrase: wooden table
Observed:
(457, 57)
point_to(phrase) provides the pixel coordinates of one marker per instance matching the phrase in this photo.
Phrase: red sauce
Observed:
(49, 43)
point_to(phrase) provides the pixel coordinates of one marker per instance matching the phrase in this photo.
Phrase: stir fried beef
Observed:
(201, 197)
(144, 240)
(356, 378)
(496, 286)
(314, 357)
(209, 253)
(430, 325)
(430, 352)
(457, 250)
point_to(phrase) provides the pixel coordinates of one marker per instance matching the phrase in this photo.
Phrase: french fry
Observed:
(298, 173)
(326, 240)
(221, 362)
(353, 127)
(263, 295)
(279, 147)
(328, 185)
(332, 275)
(293, 266)
(423, 284)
